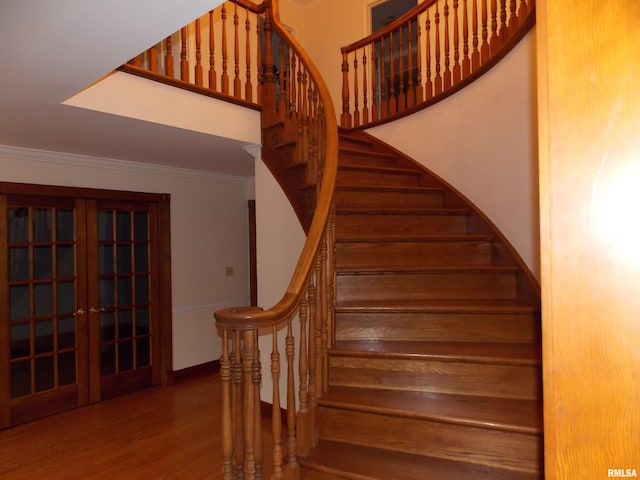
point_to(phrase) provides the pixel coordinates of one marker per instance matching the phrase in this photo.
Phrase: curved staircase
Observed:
(435, 369)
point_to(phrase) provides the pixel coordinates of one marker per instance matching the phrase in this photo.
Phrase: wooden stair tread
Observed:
(364, 151)
(507, 414)
(378, 169)
(388, 188)
(462, 305)
(401, 211)
(435, 269)
(470, 352)
(364, 463)
(442, 237)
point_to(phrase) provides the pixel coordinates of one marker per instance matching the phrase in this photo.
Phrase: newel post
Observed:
(268, 79)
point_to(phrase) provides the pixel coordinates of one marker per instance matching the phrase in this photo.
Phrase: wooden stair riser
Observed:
(415, 253)
(496, 448)
(352, 175)
(425, 285)
(358, 156)
(352, 225)
(438, 326)
(435, 375)
(375, 198)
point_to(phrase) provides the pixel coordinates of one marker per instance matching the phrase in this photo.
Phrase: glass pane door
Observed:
(43, 321)
(122, 300)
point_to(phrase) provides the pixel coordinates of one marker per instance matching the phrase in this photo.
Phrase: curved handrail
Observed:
(249, 319)
(451, 43)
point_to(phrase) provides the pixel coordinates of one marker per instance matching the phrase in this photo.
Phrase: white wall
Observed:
(483, 141)
(209, 231)
(280, 238)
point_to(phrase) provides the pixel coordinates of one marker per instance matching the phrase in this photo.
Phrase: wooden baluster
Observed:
(523, 10)
(384, 95)
(418, 86)
(345, 118)
(276, 420)
(319, 321)
(324, 317)
(456, 44)
(268, 87)
(365, 86)
(248, 87)
(438, 78)
(136, 61)
(513, 17)
(184, 61)
(375, 82)
(256, 380)
(213, 83)
(248, 404)
(227, 429)
(466, 63)
(225, 56)
(303, 373)
(313, 139)
(237, 85)
(402, 97)
(356, 106)
(259, 67)
(282, 104)
(493, 40)
(428, 87)
(411, 92)
(293, 94)
(503, 21)
(484, 49)
(168, 57)
(198, 68)
(447, 47)
(330, 241)
(393, 101)
(153, 59)
(292, 449)
(237, 399)
(475, 56)
(312, 397)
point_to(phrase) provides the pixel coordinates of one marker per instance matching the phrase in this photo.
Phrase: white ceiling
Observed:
(50, 50)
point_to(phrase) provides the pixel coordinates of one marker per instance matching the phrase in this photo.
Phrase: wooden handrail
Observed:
(450, 43)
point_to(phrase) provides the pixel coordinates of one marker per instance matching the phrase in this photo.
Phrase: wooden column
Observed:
(589, 118)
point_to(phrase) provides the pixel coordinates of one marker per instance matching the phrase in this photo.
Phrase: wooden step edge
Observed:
(404, 350)
(419, 238)
(379, 169)
(366, 152)
(382, 464)
(367, 270)
(388, 188)
(470, 307)
(450, 418)
(401, 211)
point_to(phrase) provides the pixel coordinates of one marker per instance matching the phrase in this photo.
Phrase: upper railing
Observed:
(427, 54)
(219, 54)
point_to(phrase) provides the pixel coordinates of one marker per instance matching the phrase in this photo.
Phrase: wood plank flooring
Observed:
(160, 434)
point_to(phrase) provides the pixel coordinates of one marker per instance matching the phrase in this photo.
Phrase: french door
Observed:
(80, 319)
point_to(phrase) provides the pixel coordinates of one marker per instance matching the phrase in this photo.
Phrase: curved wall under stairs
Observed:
(483, 141)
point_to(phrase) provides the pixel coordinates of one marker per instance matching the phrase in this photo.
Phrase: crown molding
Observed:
(125, 166)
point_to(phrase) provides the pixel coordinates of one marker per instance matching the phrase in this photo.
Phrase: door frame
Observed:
(163, 275)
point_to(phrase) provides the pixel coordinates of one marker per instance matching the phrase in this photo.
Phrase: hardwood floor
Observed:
(171, 433)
